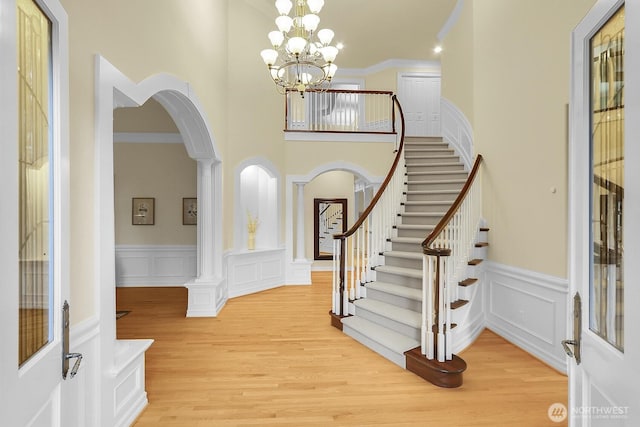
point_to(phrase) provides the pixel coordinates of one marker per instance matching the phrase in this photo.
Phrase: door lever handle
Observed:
(74, 370)
(566, 344)
(66, 356)
(577, 331)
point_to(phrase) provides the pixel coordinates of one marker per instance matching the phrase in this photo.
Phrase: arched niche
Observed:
(257, 196)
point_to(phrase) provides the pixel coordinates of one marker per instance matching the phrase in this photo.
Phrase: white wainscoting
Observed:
(457, 131)
(529, 309)
(149, 265)
(254, 271)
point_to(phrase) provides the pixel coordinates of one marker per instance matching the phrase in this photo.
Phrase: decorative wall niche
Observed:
(257, 199)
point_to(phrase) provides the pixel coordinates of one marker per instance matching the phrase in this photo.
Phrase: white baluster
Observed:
(352, 289)
(441, 307)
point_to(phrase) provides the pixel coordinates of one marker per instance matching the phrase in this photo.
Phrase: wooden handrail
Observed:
(454, 207)
(373, 92)
(384, 185)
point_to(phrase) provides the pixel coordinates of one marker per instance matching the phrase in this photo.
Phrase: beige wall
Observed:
(164, 172)
(185, 39)
(519, 94)
(457, 61)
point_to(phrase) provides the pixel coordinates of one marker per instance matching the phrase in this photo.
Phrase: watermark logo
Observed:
(557, 412)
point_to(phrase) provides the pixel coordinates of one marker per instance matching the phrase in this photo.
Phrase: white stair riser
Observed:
(407, 330)
(439, 207)
(397, 358)
(413, 282)
(396, 300)
(431, 197)
(446, 167)
(435, 175)
(427, 159)
(394, 261)
(431, 219)
(406, 247)
(421, 233)
(432, 186)
(427, 151)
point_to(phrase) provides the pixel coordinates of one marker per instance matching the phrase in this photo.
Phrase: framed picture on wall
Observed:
(143, 211)
(189, 211)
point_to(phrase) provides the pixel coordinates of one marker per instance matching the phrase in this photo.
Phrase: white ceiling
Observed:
(375, 30)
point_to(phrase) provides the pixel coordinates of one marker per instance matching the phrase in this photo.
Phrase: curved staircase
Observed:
(387, 318)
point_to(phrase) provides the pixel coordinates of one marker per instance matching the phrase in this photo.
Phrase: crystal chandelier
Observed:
(297, 61)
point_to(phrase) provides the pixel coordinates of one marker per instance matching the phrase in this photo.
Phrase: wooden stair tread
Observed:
(459, 303)
(484, 229)
(481, 244)
(468, 282)
(475, 261)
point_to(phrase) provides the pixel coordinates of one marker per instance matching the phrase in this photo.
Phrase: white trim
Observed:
(298, 271)
(239, 230)
(529, 309)
(148, 137)
(385, 65)
(155, 265)
(254, 271)
(457, 131)
(114, 89)
(451, 20)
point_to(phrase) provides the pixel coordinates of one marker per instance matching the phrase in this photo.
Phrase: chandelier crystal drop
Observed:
(301, 57)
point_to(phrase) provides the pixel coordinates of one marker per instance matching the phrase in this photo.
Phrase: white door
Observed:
(604, 387)
(34, 225)
(420, 100)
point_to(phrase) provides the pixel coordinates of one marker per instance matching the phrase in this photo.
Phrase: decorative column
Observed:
(203, 290)
(300, 224)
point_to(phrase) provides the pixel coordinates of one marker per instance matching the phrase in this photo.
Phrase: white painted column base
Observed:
(206, 297)
(299, 272)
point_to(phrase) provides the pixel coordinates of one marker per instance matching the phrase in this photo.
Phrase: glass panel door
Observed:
(606, 311)
(34, 180)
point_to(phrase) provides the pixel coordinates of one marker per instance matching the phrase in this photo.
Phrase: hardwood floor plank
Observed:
(272, 359)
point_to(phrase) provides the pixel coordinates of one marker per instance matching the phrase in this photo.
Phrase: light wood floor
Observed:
(272, 359)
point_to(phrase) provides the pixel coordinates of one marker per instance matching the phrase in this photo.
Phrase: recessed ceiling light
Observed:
(437, 49)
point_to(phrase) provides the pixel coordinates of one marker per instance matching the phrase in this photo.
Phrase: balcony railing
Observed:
(334, 110)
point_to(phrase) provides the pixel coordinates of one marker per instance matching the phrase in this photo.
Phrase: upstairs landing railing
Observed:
(446, 254)
(359, 247)
(336, 111)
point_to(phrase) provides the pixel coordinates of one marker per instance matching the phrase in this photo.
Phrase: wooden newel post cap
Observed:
(437, 251)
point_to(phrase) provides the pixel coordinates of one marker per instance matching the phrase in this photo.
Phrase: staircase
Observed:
(388, 318)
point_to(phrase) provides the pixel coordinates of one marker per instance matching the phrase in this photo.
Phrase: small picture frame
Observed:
(143, 210)
(189, 211)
